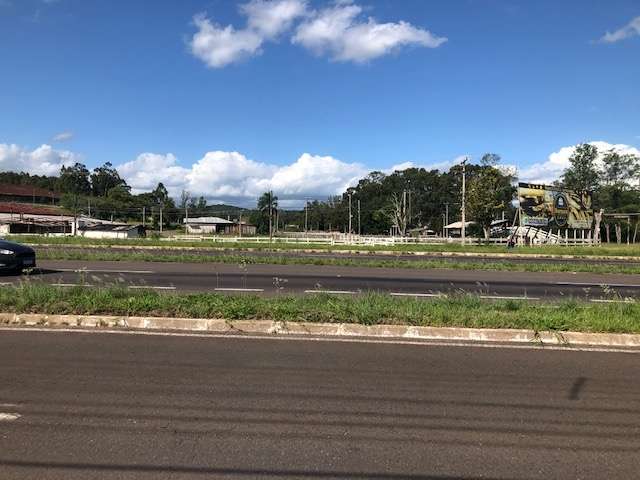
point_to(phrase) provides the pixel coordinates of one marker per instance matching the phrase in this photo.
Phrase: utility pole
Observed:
(359, 229)
(160, 218)
(349, 214)
(144, 216)
(464, 199)
(306, 215)
(270, 215)
(446, 217)
(404, 212)
(89, 205)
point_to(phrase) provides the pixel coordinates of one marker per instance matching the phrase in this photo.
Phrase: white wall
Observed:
(133, 233)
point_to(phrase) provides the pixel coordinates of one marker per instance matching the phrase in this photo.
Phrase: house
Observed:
(217, 226)
(27, 194)
(20, 218)
(111, 230)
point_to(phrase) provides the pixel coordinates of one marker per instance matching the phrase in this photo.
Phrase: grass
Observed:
(369, 309)
(600, 250)
(417, 263)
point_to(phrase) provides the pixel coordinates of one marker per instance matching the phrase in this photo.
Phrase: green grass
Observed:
(369, 309)
(601, 250)
(417, 263)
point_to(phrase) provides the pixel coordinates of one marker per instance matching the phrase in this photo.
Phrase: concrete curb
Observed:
(268, 327)
(227, 248)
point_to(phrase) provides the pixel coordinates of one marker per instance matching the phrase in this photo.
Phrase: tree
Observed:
(201, 204)
(105, 178)
(161, 196)
(267, 207)
(582, 176)
(490, 190)
(185, 197)
(74, 180)
(398, 213)
(618, 170)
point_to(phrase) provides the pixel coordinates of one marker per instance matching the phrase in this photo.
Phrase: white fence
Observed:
(521, 237)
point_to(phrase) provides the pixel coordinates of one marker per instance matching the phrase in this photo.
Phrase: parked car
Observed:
(15, 257)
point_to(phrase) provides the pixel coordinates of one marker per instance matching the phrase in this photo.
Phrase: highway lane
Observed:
(309, 279)
(83, 406)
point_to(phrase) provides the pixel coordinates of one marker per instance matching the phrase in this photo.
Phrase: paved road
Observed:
(117, 406)
(307, 279)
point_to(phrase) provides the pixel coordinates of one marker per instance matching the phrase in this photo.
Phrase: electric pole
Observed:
(464, 196)
(306, 215)
(349, 214)
(144, 216)
(270, 216)
(160, 218)
(359, 229)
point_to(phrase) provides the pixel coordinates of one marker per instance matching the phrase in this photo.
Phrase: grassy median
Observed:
(551, 250)
(369, 309)
(417, 263)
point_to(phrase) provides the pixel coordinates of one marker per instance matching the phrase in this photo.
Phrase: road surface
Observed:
(310, 279)
(81, 406)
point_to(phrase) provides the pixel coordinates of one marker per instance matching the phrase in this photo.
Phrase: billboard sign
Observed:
(544, 206)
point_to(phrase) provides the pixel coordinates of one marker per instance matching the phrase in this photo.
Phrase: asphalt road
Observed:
(309, 279)
(81, 406)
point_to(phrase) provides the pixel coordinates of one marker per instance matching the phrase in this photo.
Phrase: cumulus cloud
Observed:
(219, 46)
(234, 177)
(339, 32)
(63, 136)
(44, 160)
(443, 166)
(631, 29)
(558, 162)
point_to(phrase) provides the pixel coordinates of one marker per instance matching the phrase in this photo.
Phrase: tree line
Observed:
(401, 202)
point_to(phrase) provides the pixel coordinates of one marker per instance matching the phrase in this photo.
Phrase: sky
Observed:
(228, 99)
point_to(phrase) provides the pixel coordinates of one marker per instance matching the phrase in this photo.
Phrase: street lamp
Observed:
(464, 196)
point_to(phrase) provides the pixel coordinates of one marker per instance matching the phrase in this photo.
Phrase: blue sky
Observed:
(124, 79)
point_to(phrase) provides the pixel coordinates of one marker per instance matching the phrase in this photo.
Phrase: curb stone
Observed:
(279, 328)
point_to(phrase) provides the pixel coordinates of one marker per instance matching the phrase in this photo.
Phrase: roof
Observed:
(456, 225)
(26, 191)
(101, 227)
(17, 208)
(207, 220)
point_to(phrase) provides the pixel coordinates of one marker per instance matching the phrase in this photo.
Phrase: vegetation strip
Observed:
(368, 309)
(552, 251)
(418, 263)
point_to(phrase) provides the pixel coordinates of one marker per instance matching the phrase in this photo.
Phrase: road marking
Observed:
(9, 417)
(604, 284)
(71, 285)
(500, 297)
(404, 294)
(424, 343)
(604, 300)
(82, 270)
(151, 287)
(332, 292)
(239, 289)
(6, 284)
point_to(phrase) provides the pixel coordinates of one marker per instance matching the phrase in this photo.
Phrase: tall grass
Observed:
(417, 263)
(369, 309)
(600, 250)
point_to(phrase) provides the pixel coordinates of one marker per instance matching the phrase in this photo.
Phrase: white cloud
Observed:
(271, 18)
(235, 178)
(148, 169)
(551, 170)
(338, 32)
(63, 136)
(443, 166)
(44, 160)
(631, 29)
(219, 46)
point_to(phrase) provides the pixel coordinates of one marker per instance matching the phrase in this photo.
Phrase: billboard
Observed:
(553, 207)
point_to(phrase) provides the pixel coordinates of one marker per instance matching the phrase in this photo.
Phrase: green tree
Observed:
(582, 176)
(490, 190)
(105, 178)
(618, 170)
(264, 219)
(74, 180)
